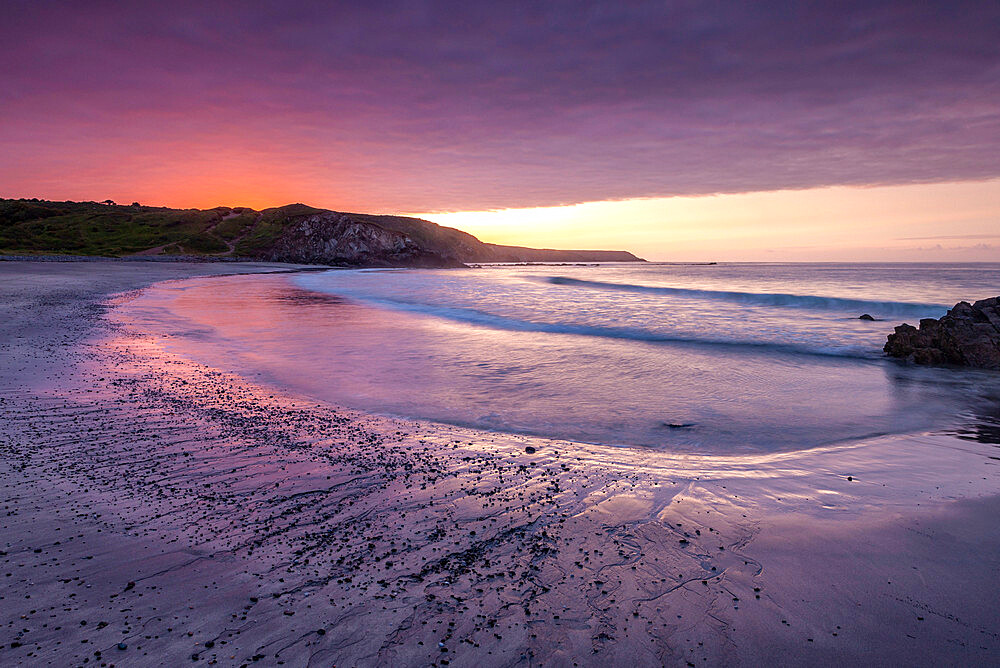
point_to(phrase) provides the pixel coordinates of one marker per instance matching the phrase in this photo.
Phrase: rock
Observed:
(865, 316)
(328, 237)
(530, 450)
(968, 335)
(318, 236)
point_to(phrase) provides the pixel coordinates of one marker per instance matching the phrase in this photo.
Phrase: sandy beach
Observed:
(158, 510)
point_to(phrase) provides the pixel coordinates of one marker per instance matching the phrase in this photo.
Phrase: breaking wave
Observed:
(813, 302)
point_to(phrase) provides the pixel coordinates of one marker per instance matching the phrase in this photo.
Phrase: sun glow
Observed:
(918, 222)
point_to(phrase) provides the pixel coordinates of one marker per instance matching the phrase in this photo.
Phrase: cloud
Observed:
(463, 105)
(938, 247)
(950, 237)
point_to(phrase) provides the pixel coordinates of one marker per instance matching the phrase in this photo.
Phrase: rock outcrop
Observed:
(340, 239)
(459, 246)
(317, 236)
(969, 335)
(291, 233)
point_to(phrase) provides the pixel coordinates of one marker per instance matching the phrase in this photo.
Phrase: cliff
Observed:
(293, 233)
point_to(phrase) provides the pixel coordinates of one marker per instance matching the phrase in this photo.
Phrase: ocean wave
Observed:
(812, 302)
(486, 319)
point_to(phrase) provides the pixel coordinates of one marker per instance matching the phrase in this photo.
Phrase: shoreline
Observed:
(204, 503)
(278, 329)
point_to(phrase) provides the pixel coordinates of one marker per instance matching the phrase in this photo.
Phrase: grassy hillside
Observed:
(107, 229)
(90, 228)
(268, 226)
(93, 228)
(427, 234)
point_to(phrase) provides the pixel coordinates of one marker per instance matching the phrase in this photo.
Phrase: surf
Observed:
(811, 302)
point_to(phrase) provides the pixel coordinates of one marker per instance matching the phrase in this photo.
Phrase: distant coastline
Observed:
(294, 233)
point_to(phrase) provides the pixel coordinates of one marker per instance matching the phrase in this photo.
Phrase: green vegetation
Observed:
(104, 228)
(92, 228)
(269, 224)
(37, 227)
(236, 224)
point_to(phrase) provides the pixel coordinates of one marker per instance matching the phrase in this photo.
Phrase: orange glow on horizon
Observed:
(921, 222)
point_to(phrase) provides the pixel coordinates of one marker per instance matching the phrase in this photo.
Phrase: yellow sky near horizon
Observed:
(936, 222)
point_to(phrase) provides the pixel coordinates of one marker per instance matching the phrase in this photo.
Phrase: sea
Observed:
(699, 358)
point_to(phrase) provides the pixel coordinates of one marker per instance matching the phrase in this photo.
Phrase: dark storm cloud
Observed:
(418, 106)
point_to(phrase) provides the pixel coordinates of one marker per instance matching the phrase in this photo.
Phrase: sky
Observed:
(678, 130)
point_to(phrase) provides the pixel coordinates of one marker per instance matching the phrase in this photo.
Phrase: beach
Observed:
(163, 505)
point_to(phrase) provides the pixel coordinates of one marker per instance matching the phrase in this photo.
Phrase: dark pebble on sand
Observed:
(122, 646)
(530, 450)
(321, 632)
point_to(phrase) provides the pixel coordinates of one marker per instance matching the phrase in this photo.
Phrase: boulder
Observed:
(968, 335)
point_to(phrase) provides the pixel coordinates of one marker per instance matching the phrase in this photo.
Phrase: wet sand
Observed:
(159, 511)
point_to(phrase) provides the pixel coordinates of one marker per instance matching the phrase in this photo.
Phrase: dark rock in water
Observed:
(865, 316)
(530, 450)
(678, 425)
(969, 335)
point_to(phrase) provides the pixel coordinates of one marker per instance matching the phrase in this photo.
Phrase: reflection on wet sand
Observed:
(188, 512)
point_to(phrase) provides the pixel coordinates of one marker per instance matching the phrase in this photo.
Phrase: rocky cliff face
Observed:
(351, 239)
(290, 233)
(969, 335)
(339, 239)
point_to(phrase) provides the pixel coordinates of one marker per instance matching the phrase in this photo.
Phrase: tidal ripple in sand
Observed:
(185, 511)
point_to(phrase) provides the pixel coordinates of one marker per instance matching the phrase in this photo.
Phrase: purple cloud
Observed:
(416, 106)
